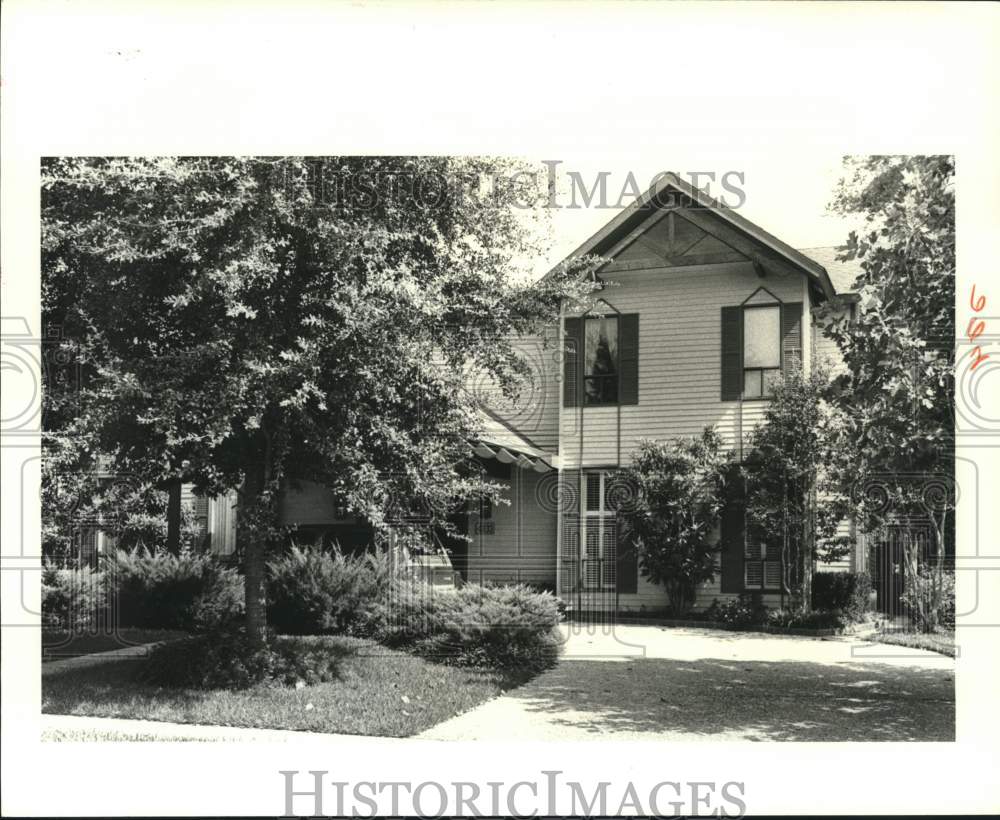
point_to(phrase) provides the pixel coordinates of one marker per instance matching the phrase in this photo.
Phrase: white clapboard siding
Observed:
(679, 361)
(522, 545)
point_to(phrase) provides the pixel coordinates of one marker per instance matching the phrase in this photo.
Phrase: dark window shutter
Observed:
(572, 361)
(627, 571)
(569, 492)
(732, 536)
(791, 337)
(732, 353)
(628, 358)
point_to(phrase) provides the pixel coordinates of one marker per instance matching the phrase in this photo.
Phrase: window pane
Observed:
(601, 389)
(771, 378)
(601, 357)
(593, 492)
(752, 384)
(761, 336)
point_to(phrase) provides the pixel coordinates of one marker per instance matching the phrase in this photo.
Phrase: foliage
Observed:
(236, 322)
(930, 597)
(739, 613)
(72, 599)
(505, 627)
(189, 592)
(748, 611)
(848, 593)
(787, 470)
(820, 619)
(230, 660)
(313, 591)
(898, 389)
(675, 497)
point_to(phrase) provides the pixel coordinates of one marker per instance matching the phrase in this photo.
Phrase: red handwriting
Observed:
(976, 328)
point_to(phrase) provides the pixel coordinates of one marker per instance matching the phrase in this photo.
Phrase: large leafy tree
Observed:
(673, 493)
(898, 389)
(247, 322)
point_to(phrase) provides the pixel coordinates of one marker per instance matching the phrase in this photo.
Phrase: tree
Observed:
(243, 323)
(793, 499)
(676, 492)
(898, 389)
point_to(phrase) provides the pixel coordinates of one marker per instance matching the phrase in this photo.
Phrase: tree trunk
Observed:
(174, 516)
(255, 592)
(254, 542)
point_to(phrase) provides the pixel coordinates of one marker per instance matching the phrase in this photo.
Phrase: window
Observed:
(600, 362)
(485, 525)
(761, 350)
(761, 564)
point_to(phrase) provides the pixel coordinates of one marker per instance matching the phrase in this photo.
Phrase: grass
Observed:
(103, 735)
(58, 644)
(377, 691)
(941, 642)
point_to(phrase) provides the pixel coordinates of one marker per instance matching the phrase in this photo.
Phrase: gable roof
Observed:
(640, 210)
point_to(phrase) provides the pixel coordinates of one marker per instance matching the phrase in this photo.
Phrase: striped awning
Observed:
(496, 439)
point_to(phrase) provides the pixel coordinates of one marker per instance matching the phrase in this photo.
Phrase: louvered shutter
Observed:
(791, 337)
(569, 503)
(572, 361)
(732, 353)
(628, 358)
(732, 536)
(201, 510)
(627, 571)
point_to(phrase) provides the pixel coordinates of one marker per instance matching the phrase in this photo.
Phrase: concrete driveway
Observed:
(657, 683)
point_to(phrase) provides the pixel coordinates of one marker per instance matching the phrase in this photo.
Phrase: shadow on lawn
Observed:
(123, 681)
(755, 700)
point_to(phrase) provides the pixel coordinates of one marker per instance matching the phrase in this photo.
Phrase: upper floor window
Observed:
(761, 350)
(600, 363)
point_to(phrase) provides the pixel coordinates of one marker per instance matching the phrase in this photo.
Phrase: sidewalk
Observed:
(97, 658)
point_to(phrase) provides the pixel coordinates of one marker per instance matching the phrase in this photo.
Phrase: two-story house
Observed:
(699, 311)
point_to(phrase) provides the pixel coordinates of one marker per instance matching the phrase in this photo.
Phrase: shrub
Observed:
(930, 597)
(72, 599)
(508, 627)
(738, 613)
(311, 591)
(848, 593)
(669, 501)
(227, 660)
(805, 620)
(164, 591)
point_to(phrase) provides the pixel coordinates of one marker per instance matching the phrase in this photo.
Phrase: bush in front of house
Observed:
(226, 659)
(738, 613)
(72, 599)
(189, 592)
(314, 592)
(847, 593)
(787, 619)
(930, 597)
(513, 628)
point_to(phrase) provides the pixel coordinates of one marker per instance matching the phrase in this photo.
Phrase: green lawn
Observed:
(378, 691)
(58, 644)
(941, 642)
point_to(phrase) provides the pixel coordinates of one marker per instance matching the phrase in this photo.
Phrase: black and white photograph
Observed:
(472, 479)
